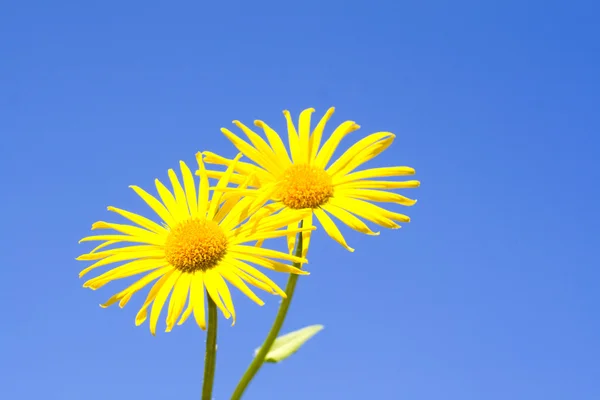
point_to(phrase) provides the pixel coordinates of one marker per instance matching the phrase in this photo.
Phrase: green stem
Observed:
(259, 359)
(210, 357)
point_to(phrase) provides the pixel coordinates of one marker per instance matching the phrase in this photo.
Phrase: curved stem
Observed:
(210, 357)
(259, 359)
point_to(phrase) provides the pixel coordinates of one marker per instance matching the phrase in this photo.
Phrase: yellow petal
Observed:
(190, 307)
(190, 188)
(304, 133)
(267, 211)
(141, 221)
(379, 185)
(156, 205)
(366, 213)
(197, 299)
(291, 236)
(102, 245)
(251, 250)
(265, 263)
(365, 156)
(243, 168)
(161, 298)
(271, 235)
(257, 283)
(168, 200)
(142, 283)
(285, 218)
(124, 271)
(295, 149)
(180, 198)
(178, 298)
(102, 254)
(355, 150)
(349, 219)
(224, 293)
(373, 173)
(223, 182)
(158, 253)
(307, 227)
(237, 214)
(331, 228)
(211, 284)
(143, 312)
(234, 178)
(256, 278)
(363, 205)
(239, 283)
(276, 143)
(118, 238)
(249, 151)
(332, 143)
(376, 195)
(152, 237)
(261, 145)
(315, 138)
(125, 295)
(231, 202)
(203, 187)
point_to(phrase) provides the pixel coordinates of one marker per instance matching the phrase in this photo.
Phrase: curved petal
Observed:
(315, 139)
(124, 271)
(178, 299)
(373, 173)
(239, 283)
(365, 156)
(212, 287)
(379, 196)
(276, 143)
(197, 300)
(143, 312)
(295, 149)
(262, 146)
(379, 185)
(141, 221)
(223, 182)
(355, 150)
(155, 205)
(304, 134)
(366, 213)
(332, 143)
(190, 188)
(180, 198)
(125, 295)
(161, 298)
(168, 200)
(331, 229)
(249, 151)
(349, 219)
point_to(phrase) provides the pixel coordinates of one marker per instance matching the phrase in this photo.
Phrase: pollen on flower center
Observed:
(195, 245)
(305, 186)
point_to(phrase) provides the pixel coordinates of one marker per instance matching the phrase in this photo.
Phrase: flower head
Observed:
(201, 245)
(305, 178)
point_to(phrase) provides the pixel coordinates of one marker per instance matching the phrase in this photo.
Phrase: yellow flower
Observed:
(305, 178)
(201, 244)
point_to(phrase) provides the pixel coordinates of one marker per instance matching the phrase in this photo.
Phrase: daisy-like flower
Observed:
(201, 244)
(305, 179)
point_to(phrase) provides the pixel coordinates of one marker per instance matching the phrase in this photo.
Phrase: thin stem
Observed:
(210, 357)
(259, 359)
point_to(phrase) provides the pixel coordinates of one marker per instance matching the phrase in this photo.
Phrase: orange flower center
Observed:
(195, 245)
(305, 186)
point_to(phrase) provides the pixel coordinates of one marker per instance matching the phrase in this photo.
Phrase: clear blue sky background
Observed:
(491, 292)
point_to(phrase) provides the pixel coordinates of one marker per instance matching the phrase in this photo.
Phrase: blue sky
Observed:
(489, 293)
